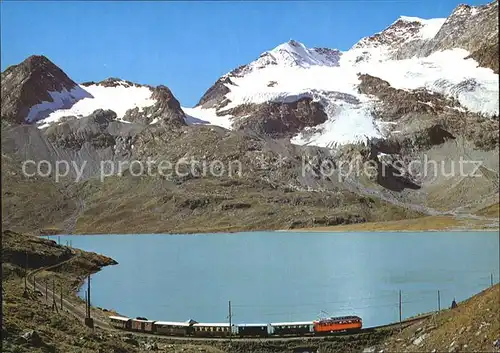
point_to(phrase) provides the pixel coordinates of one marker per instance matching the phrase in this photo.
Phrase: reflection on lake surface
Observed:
(283, 276)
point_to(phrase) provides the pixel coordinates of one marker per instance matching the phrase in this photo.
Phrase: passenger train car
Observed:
(292, 328)
(211, 330)
(192, 328)
(169, 328)
(252, 330)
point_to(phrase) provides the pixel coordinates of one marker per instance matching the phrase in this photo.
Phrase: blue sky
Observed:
(187, 45)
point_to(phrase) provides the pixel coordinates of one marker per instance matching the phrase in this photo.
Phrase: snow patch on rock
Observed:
(119, 99)
(60, 100)
(199, 116)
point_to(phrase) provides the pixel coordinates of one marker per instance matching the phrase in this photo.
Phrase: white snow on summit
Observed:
(293, 53)
(119, 99)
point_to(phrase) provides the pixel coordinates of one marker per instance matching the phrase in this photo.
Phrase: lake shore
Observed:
(422, 224)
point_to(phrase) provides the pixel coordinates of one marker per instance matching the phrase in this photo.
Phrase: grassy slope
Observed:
(492, 211)
(59, 331)
(473, 326)
(428, 223)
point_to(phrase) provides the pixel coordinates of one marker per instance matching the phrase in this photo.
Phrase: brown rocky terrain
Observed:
(473, 326)
(29, 324)
(278, 120)
(270, 193)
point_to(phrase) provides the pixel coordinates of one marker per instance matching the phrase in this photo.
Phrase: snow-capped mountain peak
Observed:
(36, 87)
(293, 53)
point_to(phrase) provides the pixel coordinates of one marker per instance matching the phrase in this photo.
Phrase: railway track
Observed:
(74, 309)
(79, 312)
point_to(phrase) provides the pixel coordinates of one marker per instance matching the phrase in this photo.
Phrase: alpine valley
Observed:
(420, 90)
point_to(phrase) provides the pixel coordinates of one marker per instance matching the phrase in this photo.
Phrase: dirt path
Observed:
(77, 310)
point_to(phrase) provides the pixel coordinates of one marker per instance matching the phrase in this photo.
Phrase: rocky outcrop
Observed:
(19, 250)
(214, 97)
(34, 88)
(167, 110)
(400, 32)
(468, 27)
(487, 56)
(113, 82)
(398, 102)
(278, 119)
(425, 119)
(93, 130)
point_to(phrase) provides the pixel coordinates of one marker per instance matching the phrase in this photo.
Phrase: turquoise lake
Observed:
(289, 276)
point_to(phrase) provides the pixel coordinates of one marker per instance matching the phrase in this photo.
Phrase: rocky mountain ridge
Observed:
(411, 54)
(372, 108)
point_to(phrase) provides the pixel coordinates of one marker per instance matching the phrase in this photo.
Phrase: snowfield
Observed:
(349, 125)
(119, 99)
(196, 116)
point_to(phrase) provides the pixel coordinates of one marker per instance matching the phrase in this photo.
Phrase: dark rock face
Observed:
(468, 27)
(487, 56)
(214, 97)
(398, 102)
(337, 220)
(166, 110)
(279, 119)
(387, 146)
(328, 221)
(29, 83)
